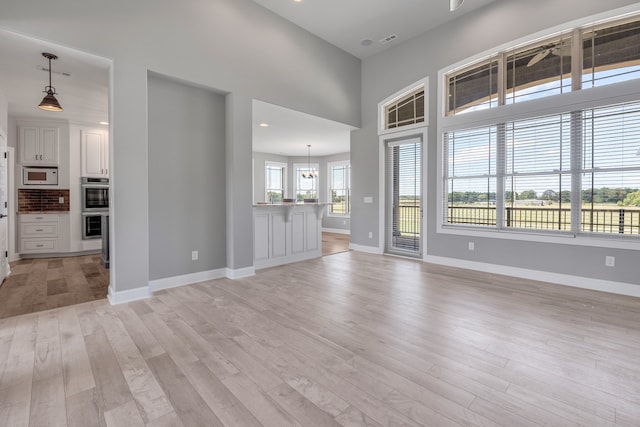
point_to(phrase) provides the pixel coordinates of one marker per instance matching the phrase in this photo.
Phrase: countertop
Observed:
(265, 204)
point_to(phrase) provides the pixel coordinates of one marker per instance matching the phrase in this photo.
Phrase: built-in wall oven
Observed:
(95, 194)
(95, 203)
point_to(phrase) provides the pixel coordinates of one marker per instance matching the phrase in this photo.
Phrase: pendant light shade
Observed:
(454, 4)
(309, 174)
(49, 102)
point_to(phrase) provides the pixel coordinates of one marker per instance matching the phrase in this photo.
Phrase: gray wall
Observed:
(386, 73)
(216, 44)
(186, 179)
(4, 113)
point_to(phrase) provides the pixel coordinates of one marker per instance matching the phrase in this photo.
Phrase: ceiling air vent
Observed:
(388, 39)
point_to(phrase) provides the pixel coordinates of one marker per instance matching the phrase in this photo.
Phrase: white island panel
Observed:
(288, 232)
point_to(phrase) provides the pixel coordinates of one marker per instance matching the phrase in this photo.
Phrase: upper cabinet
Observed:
(38, 145)
(94, 151)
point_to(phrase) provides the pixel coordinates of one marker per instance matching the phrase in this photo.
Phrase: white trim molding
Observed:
(542, 276)
(121, 297)
(366, 249)
(336, 231)
(186, 279)
(240, 273)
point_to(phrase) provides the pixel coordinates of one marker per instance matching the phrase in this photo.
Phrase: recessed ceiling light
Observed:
(264, 125)
(298, 1)
(104, 123)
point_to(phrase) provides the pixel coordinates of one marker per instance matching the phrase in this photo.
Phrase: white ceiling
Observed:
(290, 131)
(83, 95)
(346, 23)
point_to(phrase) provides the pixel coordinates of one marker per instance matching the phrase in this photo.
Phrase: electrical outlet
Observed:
(61, 200)
(344, 222)
(371, 234)
(472, 246)
(194, 255)
(610, 261)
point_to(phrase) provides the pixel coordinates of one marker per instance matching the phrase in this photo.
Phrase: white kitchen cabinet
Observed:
(38, 145)
(38, 233)
(94, 152)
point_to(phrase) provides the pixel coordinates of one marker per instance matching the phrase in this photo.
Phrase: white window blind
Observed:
(275, 179)
(576, 172)
(340, 188)
(403, 166)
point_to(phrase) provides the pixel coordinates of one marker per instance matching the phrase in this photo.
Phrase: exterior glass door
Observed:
(404, 196)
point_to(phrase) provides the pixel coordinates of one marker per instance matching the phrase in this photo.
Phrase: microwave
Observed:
(34, 175)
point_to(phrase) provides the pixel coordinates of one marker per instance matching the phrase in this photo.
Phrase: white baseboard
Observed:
(240, 273)
(122, 297)
(186, 279)
(367, 249)
(336, 231)
(274, 262)
(543, 276)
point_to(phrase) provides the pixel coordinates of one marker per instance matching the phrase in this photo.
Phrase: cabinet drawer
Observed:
(40, 245)
(41, 218)
(39, 229)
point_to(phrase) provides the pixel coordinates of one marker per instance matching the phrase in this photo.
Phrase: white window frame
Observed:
(284, 167)
(346, 163)
(420, 84)
(296, 167)
(621, 92)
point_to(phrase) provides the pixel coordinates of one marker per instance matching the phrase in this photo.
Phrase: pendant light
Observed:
(49, 102)
(309, 174)
(454, 4)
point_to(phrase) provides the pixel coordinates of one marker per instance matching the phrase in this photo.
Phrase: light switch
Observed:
(61, 200)
(368, 199)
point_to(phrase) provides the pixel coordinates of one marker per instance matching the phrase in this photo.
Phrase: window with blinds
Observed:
(275, 180)
(407, 110)
(340, 188)
(306, 188)
(403, 166)
(576, 172)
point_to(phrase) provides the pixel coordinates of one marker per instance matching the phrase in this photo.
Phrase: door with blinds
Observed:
(403, 159)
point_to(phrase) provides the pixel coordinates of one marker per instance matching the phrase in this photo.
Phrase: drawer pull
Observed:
(39, 246)
(39, 229)
(39, 217)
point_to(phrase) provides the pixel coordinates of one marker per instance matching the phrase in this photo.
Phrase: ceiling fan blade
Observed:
(539, 57)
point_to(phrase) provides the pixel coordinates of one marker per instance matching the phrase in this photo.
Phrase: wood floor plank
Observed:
(47, 396)
(143, 385)
(263, 408)
(125, 415)
(75, 360)
(188, 404)
(301, 408)
(82, 409)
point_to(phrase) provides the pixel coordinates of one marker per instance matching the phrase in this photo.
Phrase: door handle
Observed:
(3, 216)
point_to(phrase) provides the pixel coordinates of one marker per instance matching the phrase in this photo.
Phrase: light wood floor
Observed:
(45, 283)
(333, 243)
(351, 339)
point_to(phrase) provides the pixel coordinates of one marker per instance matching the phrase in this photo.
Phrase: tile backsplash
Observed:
(41, 200)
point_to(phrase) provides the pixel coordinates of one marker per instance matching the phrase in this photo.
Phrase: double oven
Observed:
(95, 203)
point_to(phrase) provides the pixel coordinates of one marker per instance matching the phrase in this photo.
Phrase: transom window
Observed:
(609, 54)
(340, 188)
(575, 171)
(407, 110)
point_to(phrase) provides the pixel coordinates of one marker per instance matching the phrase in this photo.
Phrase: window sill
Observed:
(599, 241)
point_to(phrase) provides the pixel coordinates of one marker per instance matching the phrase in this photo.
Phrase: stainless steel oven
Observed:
(95, 194)
(91, 225)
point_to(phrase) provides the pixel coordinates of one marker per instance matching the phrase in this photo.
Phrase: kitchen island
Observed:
(286, 232)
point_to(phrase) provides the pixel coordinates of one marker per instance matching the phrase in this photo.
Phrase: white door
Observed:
(4, 229)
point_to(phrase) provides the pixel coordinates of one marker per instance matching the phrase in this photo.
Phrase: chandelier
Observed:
(309, 174)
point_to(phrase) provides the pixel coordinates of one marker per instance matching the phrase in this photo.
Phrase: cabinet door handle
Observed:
(36, 157)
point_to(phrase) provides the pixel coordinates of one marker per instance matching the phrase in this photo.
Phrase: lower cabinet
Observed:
(39, 233)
